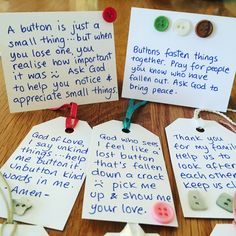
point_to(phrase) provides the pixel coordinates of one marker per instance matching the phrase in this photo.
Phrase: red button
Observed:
(163, 212)
(109, 14)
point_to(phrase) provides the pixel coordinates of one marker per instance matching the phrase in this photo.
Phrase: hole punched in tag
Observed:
(71, 120)
(200, 122)
(132, 107)
(201, 130)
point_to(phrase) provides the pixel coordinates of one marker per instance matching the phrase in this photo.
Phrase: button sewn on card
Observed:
(204, 28)
(109, 14)
(225, 201)
(161, 23)
(196, 201)
(21, 205)
(163, 212)
(182, 27)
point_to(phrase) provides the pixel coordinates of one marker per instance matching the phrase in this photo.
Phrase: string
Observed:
(6, 203)
(230, 126)
(198, 111)
(9, 206)
(71, 120)
(229, 109)
(13, 230)
(132, 107)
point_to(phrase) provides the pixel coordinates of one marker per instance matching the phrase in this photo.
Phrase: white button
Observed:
(21, 206)
(182, 27)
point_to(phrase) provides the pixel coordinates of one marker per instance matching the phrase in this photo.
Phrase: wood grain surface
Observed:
(154, 117)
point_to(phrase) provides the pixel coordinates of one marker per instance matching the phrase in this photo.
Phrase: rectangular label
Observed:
(50, 59)
(185, 70)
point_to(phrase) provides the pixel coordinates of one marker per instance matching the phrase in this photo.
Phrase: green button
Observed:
(161, 23)
(196, 201)
(225, 201)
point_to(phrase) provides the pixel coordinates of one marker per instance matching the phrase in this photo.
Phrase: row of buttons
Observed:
(197, 202)
(183, 27)
(164, 213)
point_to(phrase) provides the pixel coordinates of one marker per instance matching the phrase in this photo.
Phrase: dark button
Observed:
(204, 28)
(161, 23)
(109, 14)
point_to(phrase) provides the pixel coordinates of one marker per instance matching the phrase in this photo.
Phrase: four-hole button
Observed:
(163, 212)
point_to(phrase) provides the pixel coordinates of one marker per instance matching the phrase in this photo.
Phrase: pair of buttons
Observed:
(163, 212)
(197, 202)
(183, 27)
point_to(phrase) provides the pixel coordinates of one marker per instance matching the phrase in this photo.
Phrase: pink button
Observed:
(163, 212)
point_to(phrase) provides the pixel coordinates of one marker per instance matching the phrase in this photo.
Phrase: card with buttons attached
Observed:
(53, 58)
(46, 172)
(180, 58)
(203, 159)
(126, 178)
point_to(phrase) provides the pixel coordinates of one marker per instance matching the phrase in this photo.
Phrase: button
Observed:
(20, 206)
(109, 14)
(182, 27)
(196, 201)
(225, 201)
(161, 23)
(163, 212)
(204, 28)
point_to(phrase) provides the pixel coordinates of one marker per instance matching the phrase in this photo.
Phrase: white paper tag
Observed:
(168, 68)
(132, 230)
(48, 168)
(53, 58)
(204, 162)
(224, 229)
(120, 234)
(26, 230)
(126, 175)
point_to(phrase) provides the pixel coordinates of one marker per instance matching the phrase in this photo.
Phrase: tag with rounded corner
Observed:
(224, 229)
(26, 230)
(203, 159)
(126, 176)
(48, 169)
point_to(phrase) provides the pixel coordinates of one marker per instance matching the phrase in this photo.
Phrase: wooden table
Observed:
(154, 117)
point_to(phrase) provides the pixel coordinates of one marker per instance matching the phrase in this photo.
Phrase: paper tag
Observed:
(53, 58)
(168, 68)
(120, 234)
(203, 162)
(224, 229)
(26, 230)
(126, 175)
(132, 230)
(48, 168)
